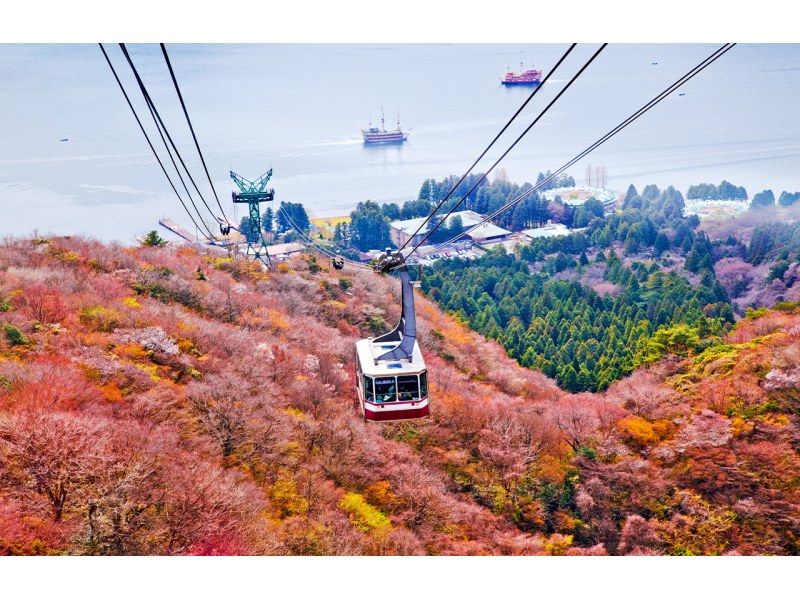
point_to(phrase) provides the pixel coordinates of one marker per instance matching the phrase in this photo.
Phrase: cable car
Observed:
(391, 378)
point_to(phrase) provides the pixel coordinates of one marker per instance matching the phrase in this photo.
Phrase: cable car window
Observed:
(423, 383)
(385, 390)
(408, 388)
(368, 393)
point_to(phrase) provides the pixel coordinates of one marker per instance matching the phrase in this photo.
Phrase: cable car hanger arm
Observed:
(406, 329)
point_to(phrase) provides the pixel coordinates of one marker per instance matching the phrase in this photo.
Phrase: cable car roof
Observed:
(368, 352)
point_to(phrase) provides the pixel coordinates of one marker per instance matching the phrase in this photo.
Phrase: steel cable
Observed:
(516, 141)
(150, 102)
(147, 138)
(641, 111)
(191, 128)
(488, 147)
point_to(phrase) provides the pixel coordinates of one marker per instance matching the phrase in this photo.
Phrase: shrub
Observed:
(376, 324)
(14, 335)
(788, 306)
(755, 313)
(101, 319)
(557, 545)
(164, 285)
(222, 263)
(363, 515)
(284, 495)
(637, 432)
(313, 266)
(131, 302)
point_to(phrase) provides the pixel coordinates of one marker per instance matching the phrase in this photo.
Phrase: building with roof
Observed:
(402, 230)
(575, 196)
(551, 229)
(284, 250)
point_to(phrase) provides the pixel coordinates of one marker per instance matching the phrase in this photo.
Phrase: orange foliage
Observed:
(132, 351)
(551, 469)
(112, 392)
(246, 441)
(278, 321)
(638, 432)
(380, 494)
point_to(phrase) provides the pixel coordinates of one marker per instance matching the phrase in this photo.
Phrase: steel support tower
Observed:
(253, 193)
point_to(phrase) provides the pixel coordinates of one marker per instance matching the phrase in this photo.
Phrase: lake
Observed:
(299, 109)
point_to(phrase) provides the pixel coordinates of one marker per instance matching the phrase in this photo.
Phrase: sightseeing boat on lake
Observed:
(530, 77)
(374, 135)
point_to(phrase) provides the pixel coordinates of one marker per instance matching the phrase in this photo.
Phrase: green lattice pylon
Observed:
(253, 193)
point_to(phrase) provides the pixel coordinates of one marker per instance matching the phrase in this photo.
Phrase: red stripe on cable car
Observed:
(397, 415)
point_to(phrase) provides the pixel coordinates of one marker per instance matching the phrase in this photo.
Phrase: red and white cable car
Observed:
(392, 381)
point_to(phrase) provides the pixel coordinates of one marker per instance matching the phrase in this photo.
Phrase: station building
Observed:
(402, 230)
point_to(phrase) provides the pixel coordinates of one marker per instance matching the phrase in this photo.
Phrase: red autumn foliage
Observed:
(43, 304)
(216, 417)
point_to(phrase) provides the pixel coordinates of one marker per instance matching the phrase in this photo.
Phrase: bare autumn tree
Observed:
(204, 501)
(419, 496)
(52, 455)
(639, 536)
(643, 395)
(576, 419)
(44, 303)
(49, 384)
(234, 414)
(120, 512)
(511, 443)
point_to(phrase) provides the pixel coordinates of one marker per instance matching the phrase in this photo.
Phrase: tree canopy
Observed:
(369, 227)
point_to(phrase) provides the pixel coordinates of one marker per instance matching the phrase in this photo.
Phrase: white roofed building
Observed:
(554, 229)
(402, 230)
(575, 196)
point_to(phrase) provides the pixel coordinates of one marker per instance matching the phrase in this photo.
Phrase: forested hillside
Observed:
(583, 339)
(160, 401)
(587, 308)
(757, 256)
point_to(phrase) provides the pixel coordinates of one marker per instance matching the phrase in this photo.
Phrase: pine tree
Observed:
(632, 199)
(153, 239)
(267, 220)
(661, 244)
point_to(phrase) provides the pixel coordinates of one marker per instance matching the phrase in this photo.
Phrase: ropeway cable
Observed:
(644, 109)
(191, 128)
(175, 166)
(150, 143)
(157, 116)
(504, 154)
(488, 147)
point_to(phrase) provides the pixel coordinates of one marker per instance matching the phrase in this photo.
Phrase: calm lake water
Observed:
(299, 108)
